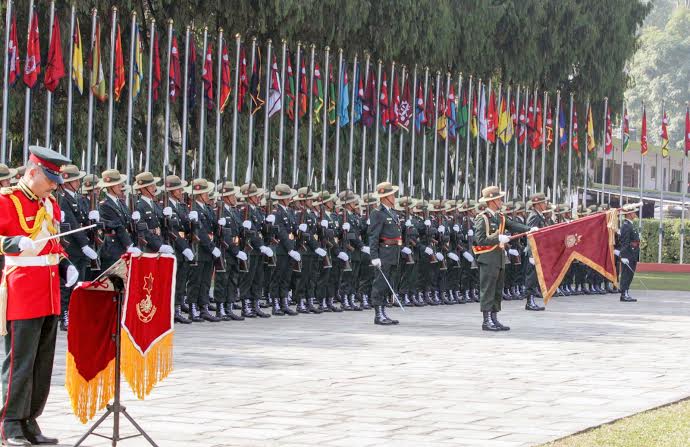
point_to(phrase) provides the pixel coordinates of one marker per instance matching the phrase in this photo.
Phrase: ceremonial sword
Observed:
(395, 295)
(55, 236)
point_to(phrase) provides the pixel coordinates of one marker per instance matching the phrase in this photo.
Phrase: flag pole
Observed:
(49, 94)
(390, 127)
(498, 139)
(413, 120)
(109, 138)
(324, 119)
(364, 129)
(684, 186)
(297, 73)
(524, 148)
(445, 149)
(310, 110)
(149, 93)
(421, 127)
(5, 80)
(166, 138)
(377, 125)
(480, 92)
(516, 137)
(269, 75)
(584, 191)
(27, 98)
(556, 146)
(434, 129)
(663, 187)
(467, 139)
(603, 165)
(68, 131)
(570, 141)
(488, 143)
(249, 173)
(355, 87)
(401, 154)
(534, 124)
(281, 119)
(185, 102)
(506, 150)
(337, 120)
(219, 81)
(132, 46)
(202, 107)
(235, 112)
(89, 125)
(644, 115)
(458, 100)
(622, 171)
(543, 141)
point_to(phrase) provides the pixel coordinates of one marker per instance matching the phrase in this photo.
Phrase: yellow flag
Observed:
(138, 65)
(591, 144)
(78, 61)
(505, 124)
(97, 76)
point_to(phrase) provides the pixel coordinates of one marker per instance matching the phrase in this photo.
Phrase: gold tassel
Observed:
(144, 372)
(87, 398)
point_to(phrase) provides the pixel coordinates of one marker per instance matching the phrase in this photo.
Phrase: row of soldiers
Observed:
(241, 250)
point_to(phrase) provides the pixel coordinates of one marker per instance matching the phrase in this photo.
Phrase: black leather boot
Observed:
(505, 295)
(185, 308)
(207, 316)
(429, 299)
(64, 321)
(324, 306)
(365, 302)
(330, 304)
(220, 312)
(302, 306)
(447, 298)
(383, 313)
(247, 309)
(313, 307)
(277, 310)
(531, 305)
(475, 295)
(626, 298)
(233, 316)
(346, 303)
(488, 324)
(418, 299)
(586, 289)
(194, 313)
(257, 309)
(379, 317)
(494, 320)
(406, 300)
(609, 287)
(285, 307)
(466, 297)
(355, 305)
(179, 318)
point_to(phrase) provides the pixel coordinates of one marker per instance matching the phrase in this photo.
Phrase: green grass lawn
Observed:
(661, 281)
(664, 427)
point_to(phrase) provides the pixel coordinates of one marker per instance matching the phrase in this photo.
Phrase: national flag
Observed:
(491, 118)
(483, 122)
(55, 69)
(331, 97)
(431, 111)
(643, 133)
(591, 144)
(573, 137)
(687, 130)
(255, 92)
(225, 86)
(174, 74)
(156, 81)
(243, 85)
(505, 124)
(303, 91)
(405, 108)
(275, 102)
(420, 116)
(664, 136)
(77, 60)
(394, 110)
(32, 66)
(537, 138)
(368, 101)
(451, 114)
(522, 121)
(384, 103)
(318, 93)
(442, 118)
(119, 81)
(207, 78)
(97, 76)
(608, 146)
(474, 125)
(344, 104)
(626, 129)
(549, 129)
(138, 64)
(562, 133)
(290, 90)
(463, 116)
(191, 82)
(359, 85)
(15, 70)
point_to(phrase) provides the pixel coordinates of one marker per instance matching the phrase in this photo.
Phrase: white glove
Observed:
(134, 250)
(26, 243)
(440, 256)
(376, 262)
(429, 251)
(470, 232)
(346, 226)
(513, 252)
(303, 228)
(320, 251)
(531, 260)
(427, 223)
(247, 225)
(94, 215)
(216, 252)
(271, 218)
(193, 215)
(441, 229)
(295, 255)
(222, 221)
(406, 251)
(166, 249)
(343, 256)
(408, 223)
(467, 255)
(533, 229)
(453, 256)
(368, 221)
(62, 217)
(72, 276)
(617, 252)
(324, 223)
(167, 211)
(188, 253)
(242, 256)
(503, 239)
(366, 250)
(266, 251)
(136, 215)
(456, 228)
(625, 261)
(89, 252)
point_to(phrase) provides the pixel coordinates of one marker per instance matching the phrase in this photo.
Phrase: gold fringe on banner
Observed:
(143, 372)
(88, 398)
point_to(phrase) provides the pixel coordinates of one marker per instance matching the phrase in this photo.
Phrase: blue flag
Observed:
(358, 97)
(343, 107)
(562, 134)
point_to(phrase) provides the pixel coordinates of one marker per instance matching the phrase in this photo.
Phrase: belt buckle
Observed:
(52, 259)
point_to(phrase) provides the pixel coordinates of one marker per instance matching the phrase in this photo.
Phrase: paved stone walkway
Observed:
(435, 380)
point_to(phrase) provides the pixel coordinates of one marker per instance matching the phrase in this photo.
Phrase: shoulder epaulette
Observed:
(7, 190)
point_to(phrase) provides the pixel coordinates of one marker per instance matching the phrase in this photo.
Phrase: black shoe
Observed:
(257, 309)
(626, 298)
(64, 321)
(505, 296)
(220, 312)
(330, 304)
(185, 308)
(207, 316)
(301, 306)
(194, 313)
(429, 299)
(475, 295)
(383, 313)
(277, 310)
(466, 297)
(488, 324)
(324, 306)
(355, 305)
(40, 439)
(179, 318)
(285, 307)
(380, 318)
(345, 300)
(418, 300)
(406, 300)
(531, 305)
(233, 316)
(312, 307)
(17, 441)
(247, 310)
(211, 307)
(494, 320)
(445, 299)
(609, 287)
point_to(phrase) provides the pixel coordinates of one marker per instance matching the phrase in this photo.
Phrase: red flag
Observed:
(573, 137)
(174, 74)
(513, 113)
(13, 53)
(687, 130)
(430, 111)
(225, 86)
(491, 118)
(383, 102)
(549, 129)
(369, 101)
(303, 91)
(55, 70)
(404, 113)
(291, 90)
(156, 82)
(609, 140)
(643, 133)
(119, 82)
(207, 78)
(523, 119)
(243, 82)
(32, 67)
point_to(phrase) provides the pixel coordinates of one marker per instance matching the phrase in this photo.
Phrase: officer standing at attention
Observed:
(630, 250)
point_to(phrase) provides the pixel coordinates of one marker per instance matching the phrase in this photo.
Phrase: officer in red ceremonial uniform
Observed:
(30, 294)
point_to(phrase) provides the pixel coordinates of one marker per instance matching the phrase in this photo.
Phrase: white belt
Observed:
(32, 261)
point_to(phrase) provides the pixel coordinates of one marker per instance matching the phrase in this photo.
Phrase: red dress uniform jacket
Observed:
(32, 291)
